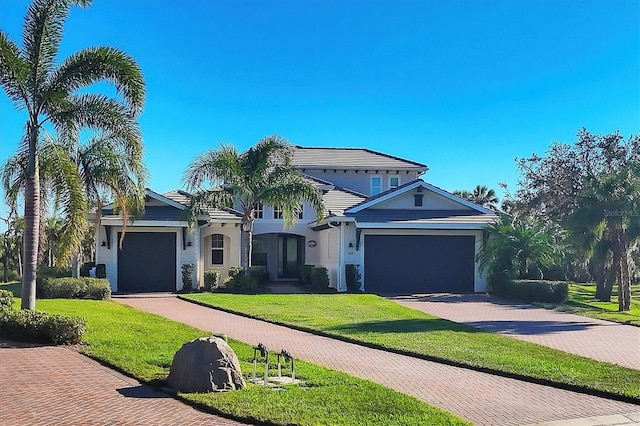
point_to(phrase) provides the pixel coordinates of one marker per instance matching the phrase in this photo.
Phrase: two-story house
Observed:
(406, 235)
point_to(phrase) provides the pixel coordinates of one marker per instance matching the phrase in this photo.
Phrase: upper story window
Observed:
(217, 249)
(259, 211)
(277, 212)
(376, 185)
(394, 182)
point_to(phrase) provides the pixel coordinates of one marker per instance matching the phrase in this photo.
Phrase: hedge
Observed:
(36, 326)
(75, 288)
(6, 299)
(211, 280)
(534, 291)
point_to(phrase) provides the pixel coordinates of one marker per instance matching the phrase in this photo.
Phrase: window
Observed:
(277, 212)
(394, 182)
(217, 249)
(259, 211)
(417, 201)
(376, 185)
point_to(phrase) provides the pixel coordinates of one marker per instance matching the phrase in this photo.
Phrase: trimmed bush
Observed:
(320, 279)
(187, 276)
(535, 291)
(6, 299)
(259, 274)
(96, 289)
(75, 288)
(304, 274)
(353, 276)
(234, 270)
(36, 326)
(101, 270)
(211, 280)
(241, 283)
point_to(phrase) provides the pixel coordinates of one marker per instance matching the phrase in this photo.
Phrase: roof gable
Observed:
(433, 198)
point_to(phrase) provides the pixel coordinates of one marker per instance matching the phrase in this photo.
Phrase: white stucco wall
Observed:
(232, 240)
(430, 201)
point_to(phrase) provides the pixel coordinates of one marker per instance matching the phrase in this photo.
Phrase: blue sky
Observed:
(462, 86)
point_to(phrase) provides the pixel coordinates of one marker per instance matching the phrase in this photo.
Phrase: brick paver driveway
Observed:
(593, 338)
(482, 398)
(57, 386)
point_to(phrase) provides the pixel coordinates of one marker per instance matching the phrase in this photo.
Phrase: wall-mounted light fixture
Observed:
(189, 244)
(350, 245)
(104, 244)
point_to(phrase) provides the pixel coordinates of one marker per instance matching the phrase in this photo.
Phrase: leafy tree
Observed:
(262, 174)
(481, 195)
(51, 94)
(591, 188)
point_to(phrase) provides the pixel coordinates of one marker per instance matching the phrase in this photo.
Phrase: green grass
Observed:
(375, 320)
(582, 302)
(143, 345)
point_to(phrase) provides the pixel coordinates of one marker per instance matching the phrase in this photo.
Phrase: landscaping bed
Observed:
(142, 345)
(376, 321)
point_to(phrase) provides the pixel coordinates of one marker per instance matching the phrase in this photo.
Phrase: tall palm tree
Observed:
(481, 195)
(51, 94)
(261, 175)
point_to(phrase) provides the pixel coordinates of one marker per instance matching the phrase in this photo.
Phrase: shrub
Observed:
(259, 274)
(6, 299)
(96, 289)
(187, 276)
(234, 270)
(36, 326)
(352, 276)
(101, 270)
(241, 283)
(75, 288)
(536, 291)
(11, 274)
(320, 279)
(52, 272)
(86, 267)
(62, 288)
(304, 274)
(211, 280)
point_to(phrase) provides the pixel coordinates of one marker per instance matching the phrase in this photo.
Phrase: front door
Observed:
(290, 255)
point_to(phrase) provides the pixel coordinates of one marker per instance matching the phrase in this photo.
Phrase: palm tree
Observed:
(50, 94)
(484, 197)
(261, 175)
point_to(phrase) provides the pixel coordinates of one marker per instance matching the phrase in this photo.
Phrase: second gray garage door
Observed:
(406, 264)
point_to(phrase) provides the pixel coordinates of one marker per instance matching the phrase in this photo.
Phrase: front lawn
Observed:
(582, 302)
(143, 345)
(375, 320)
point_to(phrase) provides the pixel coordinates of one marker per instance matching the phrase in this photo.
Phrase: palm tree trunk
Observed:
(31, 238)
(621, 266)
(246, 242)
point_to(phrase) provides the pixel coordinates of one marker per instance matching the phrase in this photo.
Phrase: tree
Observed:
(481, 195)
(591, 188)
(51, 95)
(262, 174)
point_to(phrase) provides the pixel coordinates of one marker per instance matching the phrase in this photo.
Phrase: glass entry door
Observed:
(290, 255)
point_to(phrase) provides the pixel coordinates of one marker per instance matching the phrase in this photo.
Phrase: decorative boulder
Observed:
(206, 364)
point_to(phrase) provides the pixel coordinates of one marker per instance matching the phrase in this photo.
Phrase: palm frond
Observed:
(13, 71)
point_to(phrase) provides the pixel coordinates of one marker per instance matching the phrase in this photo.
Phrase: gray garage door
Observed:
(147, 262)
(406, 264)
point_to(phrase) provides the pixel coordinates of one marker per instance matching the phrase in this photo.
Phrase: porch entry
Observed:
(282, 254)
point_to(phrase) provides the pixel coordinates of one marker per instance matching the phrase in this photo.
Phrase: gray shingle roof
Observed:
(350, 158)
(182, 197)
(337, 200)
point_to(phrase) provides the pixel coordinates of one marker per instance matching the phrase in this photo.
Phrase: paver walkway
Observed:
(593, 338)
(481, 398)
(49, 385)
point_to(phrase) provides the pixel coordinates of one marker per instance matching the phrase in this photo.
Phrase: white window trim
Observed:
(371, 184)
(222, 249)
(394, 177)
(259, 211)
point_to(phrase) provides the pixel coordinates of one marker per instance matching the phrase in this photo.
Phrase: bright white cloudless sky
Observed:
(462, 86)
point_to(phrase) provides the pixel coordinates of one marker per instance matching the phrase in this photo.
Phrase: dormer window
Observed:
(376, 185)
(394, 182)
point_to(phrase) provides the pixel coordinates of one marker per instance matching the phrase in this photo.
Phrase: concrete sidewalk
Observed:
(592, 338)
(482, 398)
(54, 385)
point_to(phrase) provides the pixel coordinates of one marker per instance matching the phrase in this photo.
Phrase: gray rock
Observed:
(206, 364)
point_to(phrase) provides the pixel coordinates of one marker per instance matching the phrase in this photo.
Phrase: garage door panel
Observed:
(405, 264)
(147, 262)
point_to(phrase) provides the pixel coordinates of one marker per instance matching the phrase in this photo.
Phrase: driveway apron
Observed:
(53, 385)
(600, 340)
(482, 398)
